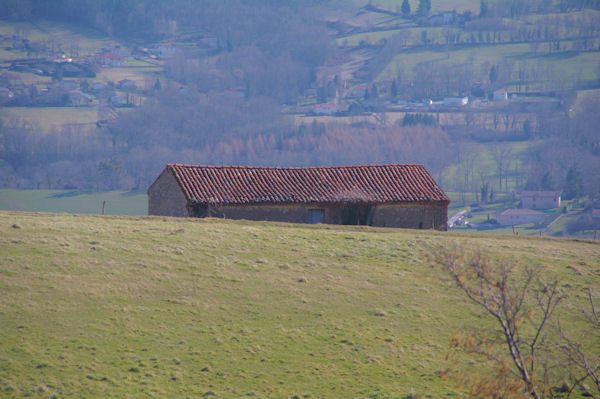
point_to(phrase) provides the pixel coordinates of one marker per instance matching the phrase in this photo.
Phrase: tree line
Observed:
(202, 128)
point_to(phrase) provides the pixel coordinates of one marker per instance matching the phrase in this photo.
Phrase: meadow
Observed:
(571, 66)
(112, 306)
(87, 41)
(48, 118)
(73, 201)
(436, 6)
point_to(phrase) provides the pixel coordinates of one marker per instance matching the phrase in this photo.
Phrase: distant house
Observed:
(209, 42)
(117, 101)
(127, 84)
(77, 98)
(540, 199)
(377, 195)
(14, 81)
(519, 216)
(455, 101)
(444, 18)
(110, 59)
(116, 50)
(239, 92)
(359, 91)
(98, 86)
(500, 95)
(167, 50)
(325, 109)
(68, 85)
(163, 50)
(5, 95)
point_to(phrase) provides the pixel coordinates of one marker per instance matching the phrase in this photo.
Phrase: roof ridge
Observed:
(294, 167)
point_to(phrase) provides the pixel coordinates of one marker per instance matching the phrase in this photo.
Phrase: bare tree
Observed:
(520, 303)
(501, 154)
(587, 362)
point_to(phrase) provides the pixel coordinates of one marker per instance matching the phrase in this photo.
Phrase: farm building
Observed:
(376, 195)
(540, 199)
(455, 101)
(519, 216)
(500, 95)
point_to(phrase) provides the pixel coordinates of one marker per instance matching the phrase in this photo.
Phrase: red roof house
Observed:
(378, 195)
(110, 59)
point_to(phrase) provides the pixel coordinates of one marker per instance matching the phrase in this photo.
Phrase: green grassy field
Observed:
(436, 6)
(571, 66)
(49, 117)
(87, 41)
(72, 201)
(111, 306)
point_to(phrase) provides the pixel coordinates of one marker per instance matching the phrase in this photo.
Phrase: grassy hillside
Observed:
(112, 306)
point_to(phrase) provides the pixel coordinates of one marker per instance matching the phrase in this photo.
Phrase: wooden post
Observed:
(513, 227)
(103, 203)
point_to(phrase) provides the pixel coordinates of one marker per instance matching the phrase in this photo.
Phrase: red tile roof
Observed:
(253, 185)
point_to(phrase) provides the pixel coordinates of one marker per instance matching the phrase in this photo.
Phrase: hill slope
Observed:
(128, 307)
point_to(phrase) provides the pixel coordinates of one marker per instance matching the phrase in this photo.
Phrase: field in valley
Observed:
(150, 306)
(74, 201)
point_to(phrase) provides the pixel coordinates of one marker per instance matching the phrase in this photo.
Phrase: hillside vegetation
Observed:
(113, 306)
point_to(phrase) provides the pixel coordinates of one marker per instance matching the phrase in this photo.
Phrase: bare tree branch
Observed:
(503, 293)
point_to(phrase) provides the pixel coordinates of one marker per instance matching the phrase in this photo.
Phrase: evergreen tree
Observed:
(374, 91)
(573, 188)
(493, 74)
(424, 7)
(483, 9)
(405, 7)
(485, 188)
(547, 183)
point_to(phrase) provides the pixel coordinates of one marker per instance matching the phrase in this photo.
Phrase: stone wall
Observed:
(414, 216)
(273, 213)
(165, 197)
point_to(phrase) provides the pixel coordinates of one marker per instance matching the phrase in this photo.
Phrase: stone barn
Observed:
(375, 195)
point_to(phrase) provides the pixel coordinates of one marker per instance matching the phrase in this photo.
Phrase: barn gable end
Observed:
(165, 196)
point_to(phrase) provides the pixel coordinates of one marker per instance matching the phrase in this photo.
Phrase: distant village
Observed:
(73, 78)
(74, 82)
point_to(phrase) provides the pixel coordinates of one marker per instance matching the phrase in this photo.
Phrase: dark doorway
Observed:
(200, 211)
(357, 214)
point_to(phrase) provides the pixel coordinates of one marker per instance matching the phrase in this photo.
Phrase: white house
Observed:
(326, 109)
(519, 216)
(540, 199)
(79, 99)
(456, 101)
(500, 95)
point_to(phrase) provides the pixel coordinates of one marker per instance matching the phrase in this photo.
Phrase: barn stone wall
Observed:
(414, 216)
(165, 197)
(273, 213)
(417, 216)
